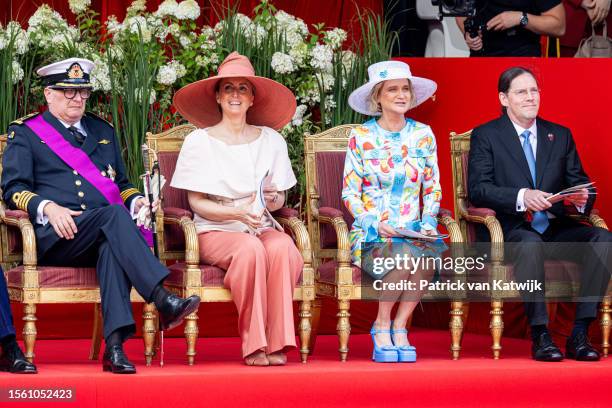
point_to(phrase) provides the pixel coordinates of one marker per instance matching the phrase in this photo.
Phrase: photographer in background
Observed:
(512, 28)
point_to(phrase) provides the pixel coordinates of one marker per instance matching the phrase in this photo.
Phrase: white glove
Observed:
(144, 217)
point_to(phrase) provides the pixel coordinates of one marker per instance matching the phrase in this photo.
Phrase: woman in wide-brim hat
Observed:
(222, 165)
(391, 161)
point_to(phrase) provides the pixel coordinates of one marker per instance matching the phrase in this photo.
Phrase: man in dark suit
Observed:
(515, 163)
(65, 169)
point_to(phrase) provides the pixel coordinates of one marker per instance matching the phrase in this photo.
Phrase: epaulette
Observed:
(23, 119)
(99, 117)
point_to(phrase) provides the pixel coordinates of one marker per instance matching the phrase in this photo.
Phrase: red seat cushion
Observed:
(211, 275)
(57, 277)
(327, 272)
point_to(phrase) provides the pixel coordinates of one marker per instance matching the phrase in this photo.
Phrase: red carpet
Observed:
(220, 379)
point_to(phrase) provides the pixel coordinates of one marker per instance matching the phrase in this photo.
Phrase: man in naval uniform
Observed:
(65, 169)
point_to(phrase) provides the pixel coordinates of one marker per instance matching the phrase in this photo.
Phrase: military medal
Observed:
(111, 172)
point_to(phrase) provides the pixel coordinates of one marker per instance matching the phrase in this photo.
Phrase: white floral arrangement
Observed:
(155, 53)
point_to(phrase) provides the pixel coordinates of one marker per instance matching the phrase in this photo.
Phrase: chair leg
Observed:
(606, 324)
(344, 327)
(29, 330)
(148, 331)
(496, 326)
(456, 328)
(96, 336)
(304, 328)
(314, 324)
(191, 336)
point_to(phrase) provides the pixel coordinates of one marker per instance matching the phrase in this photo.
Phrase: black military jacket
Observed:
(32, 172)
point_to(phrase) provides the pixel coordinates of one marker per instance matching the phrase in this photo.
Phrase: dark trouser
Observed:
(6, 318)
(594, 259)
(108, 239)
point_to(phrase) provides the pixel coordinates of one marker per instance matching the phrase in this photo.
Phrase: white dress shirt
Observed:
(533, 141)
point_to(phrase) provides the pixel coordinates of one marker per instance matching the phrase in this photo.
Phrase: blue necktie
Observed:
(540, 219)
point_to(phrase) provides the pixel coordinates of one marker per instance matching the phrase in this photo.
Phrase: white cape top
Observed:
(229, 174)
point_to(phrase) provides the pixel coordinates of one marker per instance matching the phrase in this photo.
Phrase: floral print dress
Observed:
(384, 174)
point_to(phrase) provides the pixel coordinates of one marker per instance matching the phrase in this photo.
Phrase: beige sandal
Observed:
(257, 358)
(277, 359)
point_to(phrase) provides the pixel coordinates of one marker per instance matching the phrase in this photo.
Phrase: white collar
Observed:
(77, 125)
(533, 129)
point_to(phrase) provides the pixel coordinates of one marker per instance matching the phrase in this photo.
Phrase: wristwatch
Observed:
(524, 20)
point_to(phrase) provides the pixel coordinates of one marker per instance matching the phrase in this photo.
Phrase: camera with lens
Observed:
(461, 8)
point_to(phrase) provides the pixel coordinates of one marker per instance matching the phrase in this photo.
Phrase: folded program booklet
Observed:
(575, 189)
(408, 233)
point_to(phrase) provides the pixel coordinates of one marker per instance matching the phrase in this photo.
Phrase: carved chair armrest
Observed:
(593, 218)
(596, 220)
(487, 217)
(288, 218)
(445, 217)
(184, 219)
(20, 219)
(334, 217)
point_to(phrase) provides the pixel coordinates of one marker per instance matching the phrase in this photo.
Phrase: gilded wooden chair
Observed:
(32, 284)
(469, 217)
(328, 225)
(178, 245)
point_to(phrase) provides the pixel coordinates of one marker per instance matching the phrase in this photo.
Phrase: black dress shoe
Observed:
(543, 349)
(173, 310)
(116, 361)
(14, 361)
(578, 347)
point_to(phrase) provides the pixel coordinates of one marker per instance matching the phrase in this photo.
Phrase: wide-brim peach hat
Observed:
(273, 106)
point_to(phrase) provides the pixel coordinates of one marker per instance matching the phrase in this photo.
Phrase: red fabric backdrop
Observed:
(574, 93)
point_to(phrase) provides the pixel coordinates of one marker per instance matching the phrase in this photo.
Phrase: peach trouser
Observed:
(262, 272)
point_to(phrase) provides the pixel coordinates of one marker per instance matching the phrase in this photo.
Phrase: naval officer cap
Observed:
(69, 73)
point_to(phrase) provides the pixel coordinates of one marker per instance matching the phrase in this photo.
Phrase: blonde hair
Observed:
(374, 105)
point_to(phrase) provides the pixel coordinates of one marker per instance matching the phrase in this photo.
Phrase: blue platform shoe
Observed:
(406, 354)
(383, 354)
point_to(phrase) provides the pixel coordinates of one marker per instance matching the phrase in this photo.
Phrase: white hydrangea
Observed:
(205, 61)
(3, 40)
(208, 45)
(139, 96)
(185, 41)
(243, 21)
(256, 33)
(99, 75)
(17, 72)
(138, 24)
(112, 25)
(137, 6)
(330, 103)
(335, 37)
(299, 53)
(19, 36)
(179, 68)
(187, 10)
(167, 8)
(207, 32)
(45, 16)
(166, 75)
(282, 63)
(220, 26)
(298, 116)
(327, 80)
(322, 57)
(78, 6)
